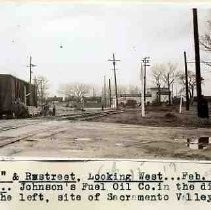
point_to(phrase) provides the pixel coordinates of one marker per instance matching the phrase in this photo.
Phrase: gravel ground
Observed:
(81, 139)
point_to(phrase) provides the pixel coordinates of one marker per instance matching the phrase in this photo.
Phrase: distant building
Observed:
(92, 101)
(89, 101)
(159, 95)
(54, 99)
(153, 95)
(130, 99)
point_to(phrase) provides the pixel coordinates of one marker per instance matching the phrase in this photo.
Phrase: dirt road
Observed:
(80, 139)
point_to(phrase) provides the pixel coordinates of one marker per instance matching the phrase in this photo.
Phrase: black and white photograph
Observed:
(113, 80)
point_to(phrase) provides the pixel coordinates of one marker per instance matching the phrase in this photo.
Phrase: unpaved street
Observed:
(81, 139)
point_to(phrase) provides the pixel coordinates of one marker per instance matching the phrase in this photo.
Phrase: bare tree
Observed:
(164, 76)
(157, 74)
(191, 82)
(205, 40)
(77, 91)
(41, 84)
(169, 77)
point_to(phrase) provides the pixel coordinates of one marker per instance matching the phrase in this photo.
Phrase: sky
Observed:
(90, 33)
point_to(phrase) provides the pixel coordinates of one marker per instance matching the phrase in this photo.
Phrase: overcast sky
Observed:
(89, 34)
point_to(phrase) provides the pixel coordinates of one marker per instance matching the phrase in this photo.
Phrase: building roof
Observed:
(133, 95)
(14, 77)
(161, 89)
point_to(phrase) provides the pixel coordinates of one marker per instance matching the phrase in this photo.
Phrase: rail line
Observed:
(85, 116)
(12, 127)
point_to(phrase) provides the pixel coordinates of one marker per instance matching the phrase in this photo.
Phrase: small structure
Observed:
(199, 143)
(159, 95)
(131, 100)
(54, 99)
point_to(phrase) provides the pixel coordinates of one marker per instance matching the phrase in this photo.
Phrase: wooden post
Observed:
(197, 61)
(186, 83)
(142, 93)
(109, 86)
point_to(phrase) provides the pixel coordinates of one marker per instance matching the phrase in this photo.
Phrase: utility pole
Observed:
(159, 94)
(30, 77)
(41, 92)
(186, 82)
(109, 86)
(30, 69)
(36, 91)
(202, 104)
(115, 81)
(104, 92)
(169, 95)
(142, 92)
(93, 92)
(145, 61)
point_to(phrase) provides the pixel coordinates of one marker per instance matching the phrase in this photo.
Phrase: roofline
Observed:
(10, 75)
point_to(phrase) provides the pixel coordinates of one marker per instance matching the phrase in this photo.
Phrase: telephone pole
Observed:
(202, 105)
(30, 69)
(115, 81)
(142, 92)
(186, 82)
(145, 62)
(109, 86)
(104, 93)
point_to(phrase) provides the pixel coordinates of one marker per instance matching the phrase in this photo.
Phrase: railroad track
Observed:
(12, 127)
(11, 140)
(86, 116)
(76, 116)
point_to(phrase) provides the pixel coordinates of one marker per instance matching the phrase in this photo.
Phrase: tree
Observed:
(191, 82)
(169, 77)
(157, 75)
(164, 76)
(205, 40)
(77, 91)
(41, 84)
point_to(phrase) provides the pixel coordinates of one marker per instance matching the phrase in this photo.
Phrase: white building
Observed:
(152, 96)
(162, 93)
